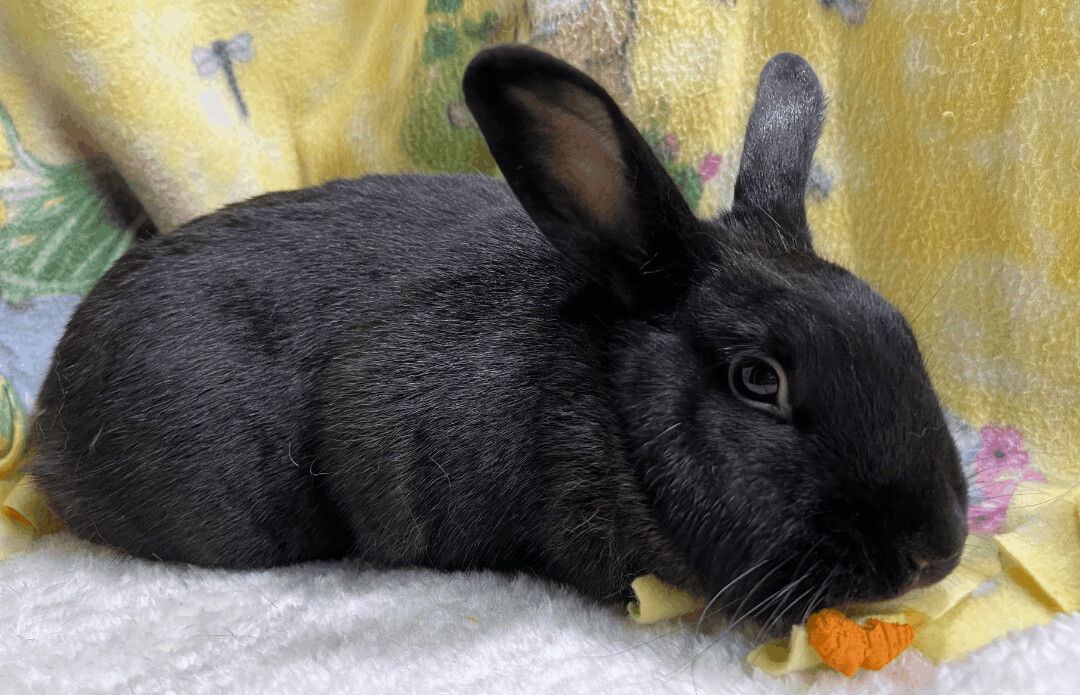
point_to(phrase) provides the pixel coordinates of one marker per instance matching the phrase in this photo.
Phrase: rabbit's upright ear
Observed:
(778, 150)
(582, 171)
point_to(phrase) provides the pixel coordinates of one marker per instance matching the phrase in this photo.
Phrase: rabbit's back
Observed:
(181, 419)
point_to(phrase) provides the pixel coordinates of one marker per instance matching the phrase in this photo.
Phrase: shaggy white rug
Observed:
(76, 619)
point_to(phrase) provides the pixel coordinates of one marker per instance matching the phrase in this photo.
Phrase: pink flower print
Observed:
(1001, 447)
(986, 517)
(1002, 460)
(1001, 465)
(710, 166)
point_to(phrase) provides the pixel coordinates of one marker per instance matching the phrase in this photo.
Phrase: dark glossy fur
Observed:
(424, 370)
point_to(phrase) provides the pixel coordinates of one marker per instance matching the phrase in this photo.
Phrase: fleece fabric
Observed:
(77, 619)
(948, 176)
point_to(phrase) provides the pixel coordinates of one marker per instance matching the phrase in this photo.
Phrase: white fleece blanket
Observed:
(76, 618)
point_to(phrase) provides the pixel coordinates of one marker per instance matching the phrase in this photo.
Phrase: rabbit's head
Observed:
(776, 409)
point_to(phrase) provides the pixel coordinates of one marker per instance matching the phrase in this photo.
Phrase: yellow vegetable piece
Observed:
(657, 600)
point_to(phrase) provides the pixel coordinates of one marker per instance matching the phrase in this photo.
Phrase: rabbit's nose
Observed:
(943, 534)
(936, 551)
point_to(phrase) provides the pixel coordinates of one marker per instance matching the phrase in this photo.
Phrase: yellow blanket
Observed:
(947, 177)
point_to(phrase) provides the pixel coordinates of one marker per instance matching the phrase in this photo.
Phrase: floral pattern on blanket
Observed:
(1001, 466)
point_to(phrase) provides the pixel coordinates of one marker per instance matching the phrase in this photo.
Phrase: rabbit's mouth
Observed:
(770, 596)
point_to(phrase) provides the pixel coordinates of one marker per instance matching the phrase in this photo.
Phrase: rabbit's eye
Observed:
(760, 382)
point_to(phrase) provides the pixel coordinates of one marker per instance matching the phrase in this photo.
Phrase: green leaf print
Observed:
(57, 238)
(479, 31)
(433, 134)
(440, 41)
(689, 182)
(12, 427)
(447, 6)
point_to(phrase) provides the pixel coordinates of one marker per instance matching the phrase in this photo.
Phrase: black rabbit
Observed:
(566, 373)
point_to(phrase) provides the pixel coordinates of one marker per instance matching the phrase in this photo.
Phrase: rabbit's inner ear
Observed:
(582, 171)
(582, 154)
